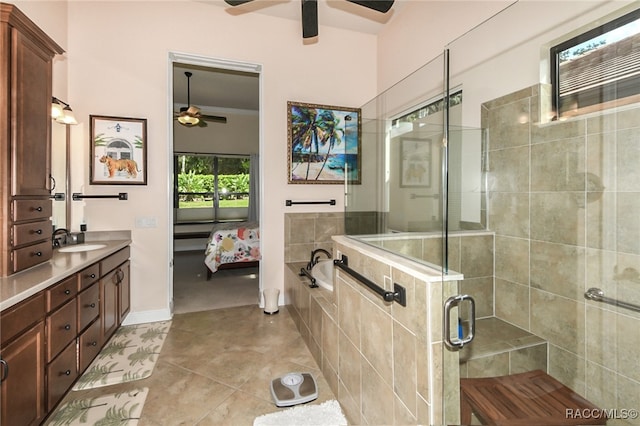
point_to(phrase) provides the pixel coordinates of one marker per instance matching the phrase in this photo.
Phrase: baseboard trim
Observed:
(147, 316)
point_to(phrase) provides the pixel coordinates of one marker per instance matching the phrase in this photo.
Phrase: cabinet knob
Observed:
(37, 231)
(67, 292)
(37, 253)
(94, 343)
(67, 373)
(92, 276)
(5, 370)
(67, 327)
(92, 305)
(38, 209)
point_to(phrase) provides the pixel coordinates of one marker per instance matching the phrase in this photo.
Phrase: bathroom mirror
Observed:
(60, 174)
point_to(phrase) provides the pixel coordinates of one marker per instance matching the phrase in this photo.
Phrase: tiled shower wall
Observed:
(564, 202)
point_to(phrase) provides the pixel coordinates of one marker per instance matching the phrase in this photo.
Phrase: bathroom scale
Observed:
(293, 389)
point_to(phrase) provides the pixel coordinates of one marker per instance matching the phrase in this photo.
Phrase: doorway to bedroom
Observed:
(216, 191)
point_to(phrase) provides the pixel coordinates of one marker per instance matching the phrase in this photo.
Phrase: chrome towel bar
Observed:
(597, 295)
(399, 293)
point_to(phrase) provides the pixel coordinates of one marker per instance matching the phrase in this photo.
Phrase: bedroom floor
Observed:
(226, 288)
(216, 366)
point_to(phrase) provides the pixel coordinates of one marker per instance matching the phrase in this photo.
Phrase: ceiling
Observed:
(217, 90)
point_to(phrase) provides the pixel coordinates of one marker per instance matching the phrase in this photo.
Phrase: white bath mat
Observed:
(114, 409)
(129, 355)
(328, 413)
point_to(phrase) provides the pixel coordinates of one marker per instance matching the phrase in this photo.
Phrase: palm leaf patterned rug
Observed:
(115, 409)
(129, 355)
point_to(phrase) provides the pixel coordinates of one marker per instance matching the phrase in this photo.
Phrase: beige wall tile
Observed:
(528, 359)
(404, 366)
(565, 277)
(488, 366)
(567, 368)
(558, 165)
(509, 214)
(512, 303)
(558, 320)
(349, 367)
(509, 170)
(512, 259)
(476, 256)
(558, 217)
(377, 397)
(377, 333)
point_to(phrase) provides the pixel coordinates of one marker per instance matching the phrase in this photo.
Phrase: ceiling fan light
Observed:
(188, 120)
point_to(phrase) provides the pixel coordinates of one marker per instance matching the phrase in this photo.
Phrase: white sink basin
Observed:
(81, 247)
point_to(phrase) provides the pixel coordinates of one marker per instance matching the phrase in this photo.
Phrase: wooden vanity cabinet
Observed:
(114, 291)
(26, 58)
(22, 362)
(48, 340)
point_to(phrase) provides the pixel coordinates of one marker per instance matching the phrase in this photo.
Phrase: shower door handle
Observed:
(458, 342)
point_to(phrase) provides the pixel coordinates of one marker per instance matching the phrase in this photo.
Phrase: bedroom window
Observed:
(211, 187)
(597, 69)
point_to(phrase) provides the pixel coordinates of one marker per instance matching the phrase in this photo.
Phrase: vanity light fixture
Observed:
(61, 112)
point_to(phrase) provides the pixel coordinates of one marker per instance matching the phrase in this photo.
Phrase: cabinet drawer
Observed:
(88, 276)
(28, 233)
(89, 345)
(21, 316)
(114, 260)
(88, 306)
(29, 256)
(62, 328)
(61, 374)
(61, 293)
(22, 210)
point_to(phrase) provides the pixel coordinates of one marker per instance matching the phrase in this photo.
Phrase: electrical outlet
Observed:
(146, 222)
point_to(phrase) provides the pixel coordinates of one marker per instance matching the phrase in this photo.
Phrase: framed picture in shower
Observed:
(118, 150)
(415, 163)
(324, 144)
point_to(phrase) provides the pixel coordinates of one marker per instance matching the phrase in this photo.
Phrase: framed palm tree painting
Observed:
(324, 144)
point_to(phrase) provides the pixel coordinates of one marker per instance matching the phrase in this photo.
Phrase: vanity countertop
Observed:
(18, 287)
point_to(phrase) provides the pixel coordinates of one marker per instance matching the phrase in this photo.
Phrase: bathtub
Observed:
(323, 274)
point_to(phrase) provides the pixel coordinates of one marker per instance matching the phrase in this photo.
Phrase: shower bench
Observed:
(500, 348)
(525, 399)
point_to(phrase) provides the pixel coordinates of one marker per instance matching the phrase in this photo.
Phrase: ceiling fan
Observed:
(310, 12)
(190, 115)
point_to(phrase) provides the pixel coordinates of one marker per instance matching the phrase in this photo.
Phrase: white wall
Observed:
(118, 66)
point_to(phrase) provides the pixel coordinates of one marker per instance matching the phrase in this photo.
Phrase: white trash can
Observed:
(270, 300)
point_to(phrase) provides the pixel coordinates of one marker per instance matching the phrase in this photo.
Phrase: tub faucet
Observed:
(56, 240)
(315, 259)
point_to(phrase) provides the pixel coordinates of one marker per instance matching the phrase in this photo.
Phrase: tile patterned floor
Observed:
(215, 368)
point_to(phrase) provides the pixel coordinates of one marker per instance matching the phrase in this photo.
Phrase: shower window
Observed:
(597, 69)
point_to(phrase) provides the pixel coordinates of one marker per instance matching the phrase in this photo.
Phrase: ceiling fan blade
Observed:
(236, 2)
(309, 18)
(214, 118)
(378, 5)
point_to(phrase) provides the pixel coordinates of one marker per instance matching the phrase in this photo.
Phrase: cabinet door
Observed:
(22, 387)
(30, 118)
(109, 304)
(124, 289)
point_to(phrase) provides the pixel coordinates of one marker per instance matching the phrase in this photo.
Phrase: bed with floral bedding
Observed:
(232, 244)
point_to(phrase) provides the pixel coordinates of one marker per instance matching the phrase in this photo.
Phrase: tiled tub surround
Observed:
(564, 199)
(305, 232)
(385, 362)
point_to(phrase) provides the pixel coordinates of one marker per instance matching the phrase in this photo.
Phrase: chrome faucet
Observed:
(315, 259)
(57, 240)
